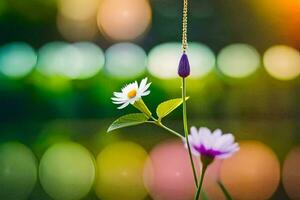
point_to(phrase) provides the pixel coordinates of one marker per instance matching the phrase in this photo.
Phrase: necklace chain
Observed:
(184, 25)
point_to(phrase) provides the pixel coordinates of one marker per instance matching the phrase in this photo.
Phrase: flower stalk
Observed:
(224, 190)
(206, 161)
(197, 195)
(186, 132)
(141, 106)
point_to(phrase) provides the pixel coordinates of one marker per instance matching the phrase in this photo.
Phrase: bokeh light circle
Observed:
(17, 59)
(291, 173)
(74, 61)
(168, 174)
(124, 19)
(78, 9)
(72, 30)
(125, 60)
(254, 171)
(164, 59)
(92, 59)
(48, 58)
(69, 62)
(282, 62)
(18, 171)
(67, 171)
(238, 60)
(202, 59)
(120, 172)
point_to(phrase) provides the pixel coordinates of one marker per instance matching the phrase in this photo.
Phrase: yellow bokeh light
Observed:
(238, 60)
(120, 172)
(282, 62)
(253, 173)
(75, 30)
(291, 173)
(78, 9)
(124, 19)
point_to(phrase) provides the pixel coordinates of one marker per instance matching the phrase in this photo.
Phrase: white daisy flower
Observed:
(212, 144)
(131, 93)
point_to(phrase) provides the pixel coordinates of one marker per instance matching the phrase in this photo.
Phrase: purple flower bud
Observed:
(184, 66)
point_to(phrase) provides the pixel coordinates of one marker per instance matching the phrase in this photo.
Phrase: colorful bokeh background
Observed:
(60, 61)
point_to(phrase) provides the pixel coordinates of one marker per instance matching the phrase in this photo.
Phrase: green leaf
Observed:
(128, 120)
(167, 107)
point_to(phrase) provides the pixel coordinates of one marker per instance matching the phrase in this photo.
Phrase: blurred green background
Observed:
(61, 60)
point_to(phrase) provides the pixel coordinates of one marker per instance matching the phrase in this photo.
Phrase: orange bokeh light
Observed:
(284, 15)
(291, 173)
(253, 173)
(124, 19)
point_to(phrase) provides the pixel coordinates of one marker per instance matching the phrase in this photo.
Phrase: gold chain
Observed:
(184, 25)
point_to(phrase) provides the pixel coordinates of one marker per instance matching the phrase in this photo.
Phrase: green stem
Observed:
(170, 130)
(186, 132)
(197, 195)
(204, 195)
(158, 123)
(224, 190)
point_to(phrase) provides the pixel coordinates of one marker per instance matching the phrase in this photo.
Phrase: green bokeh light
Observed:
(18, 171)
(81, 60)
(17, 59)
(202, 59)
(48, 58)
(92, 60)
(67, 171)
(125, 60)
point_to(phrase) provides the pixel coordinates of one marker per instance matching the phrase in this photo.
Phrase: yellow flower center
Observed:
(131, 94)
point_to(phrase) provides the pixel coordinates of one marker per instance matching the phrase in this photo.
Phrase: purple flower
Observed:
(184, 66)
(212, 144)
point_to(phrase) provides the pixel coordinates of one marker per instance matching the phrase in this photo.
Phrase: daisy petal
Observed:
(119, 102)
(118, 99)
(145, 93)
(146, 87)
(124, 105)
(143, 83)
(119, 94)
